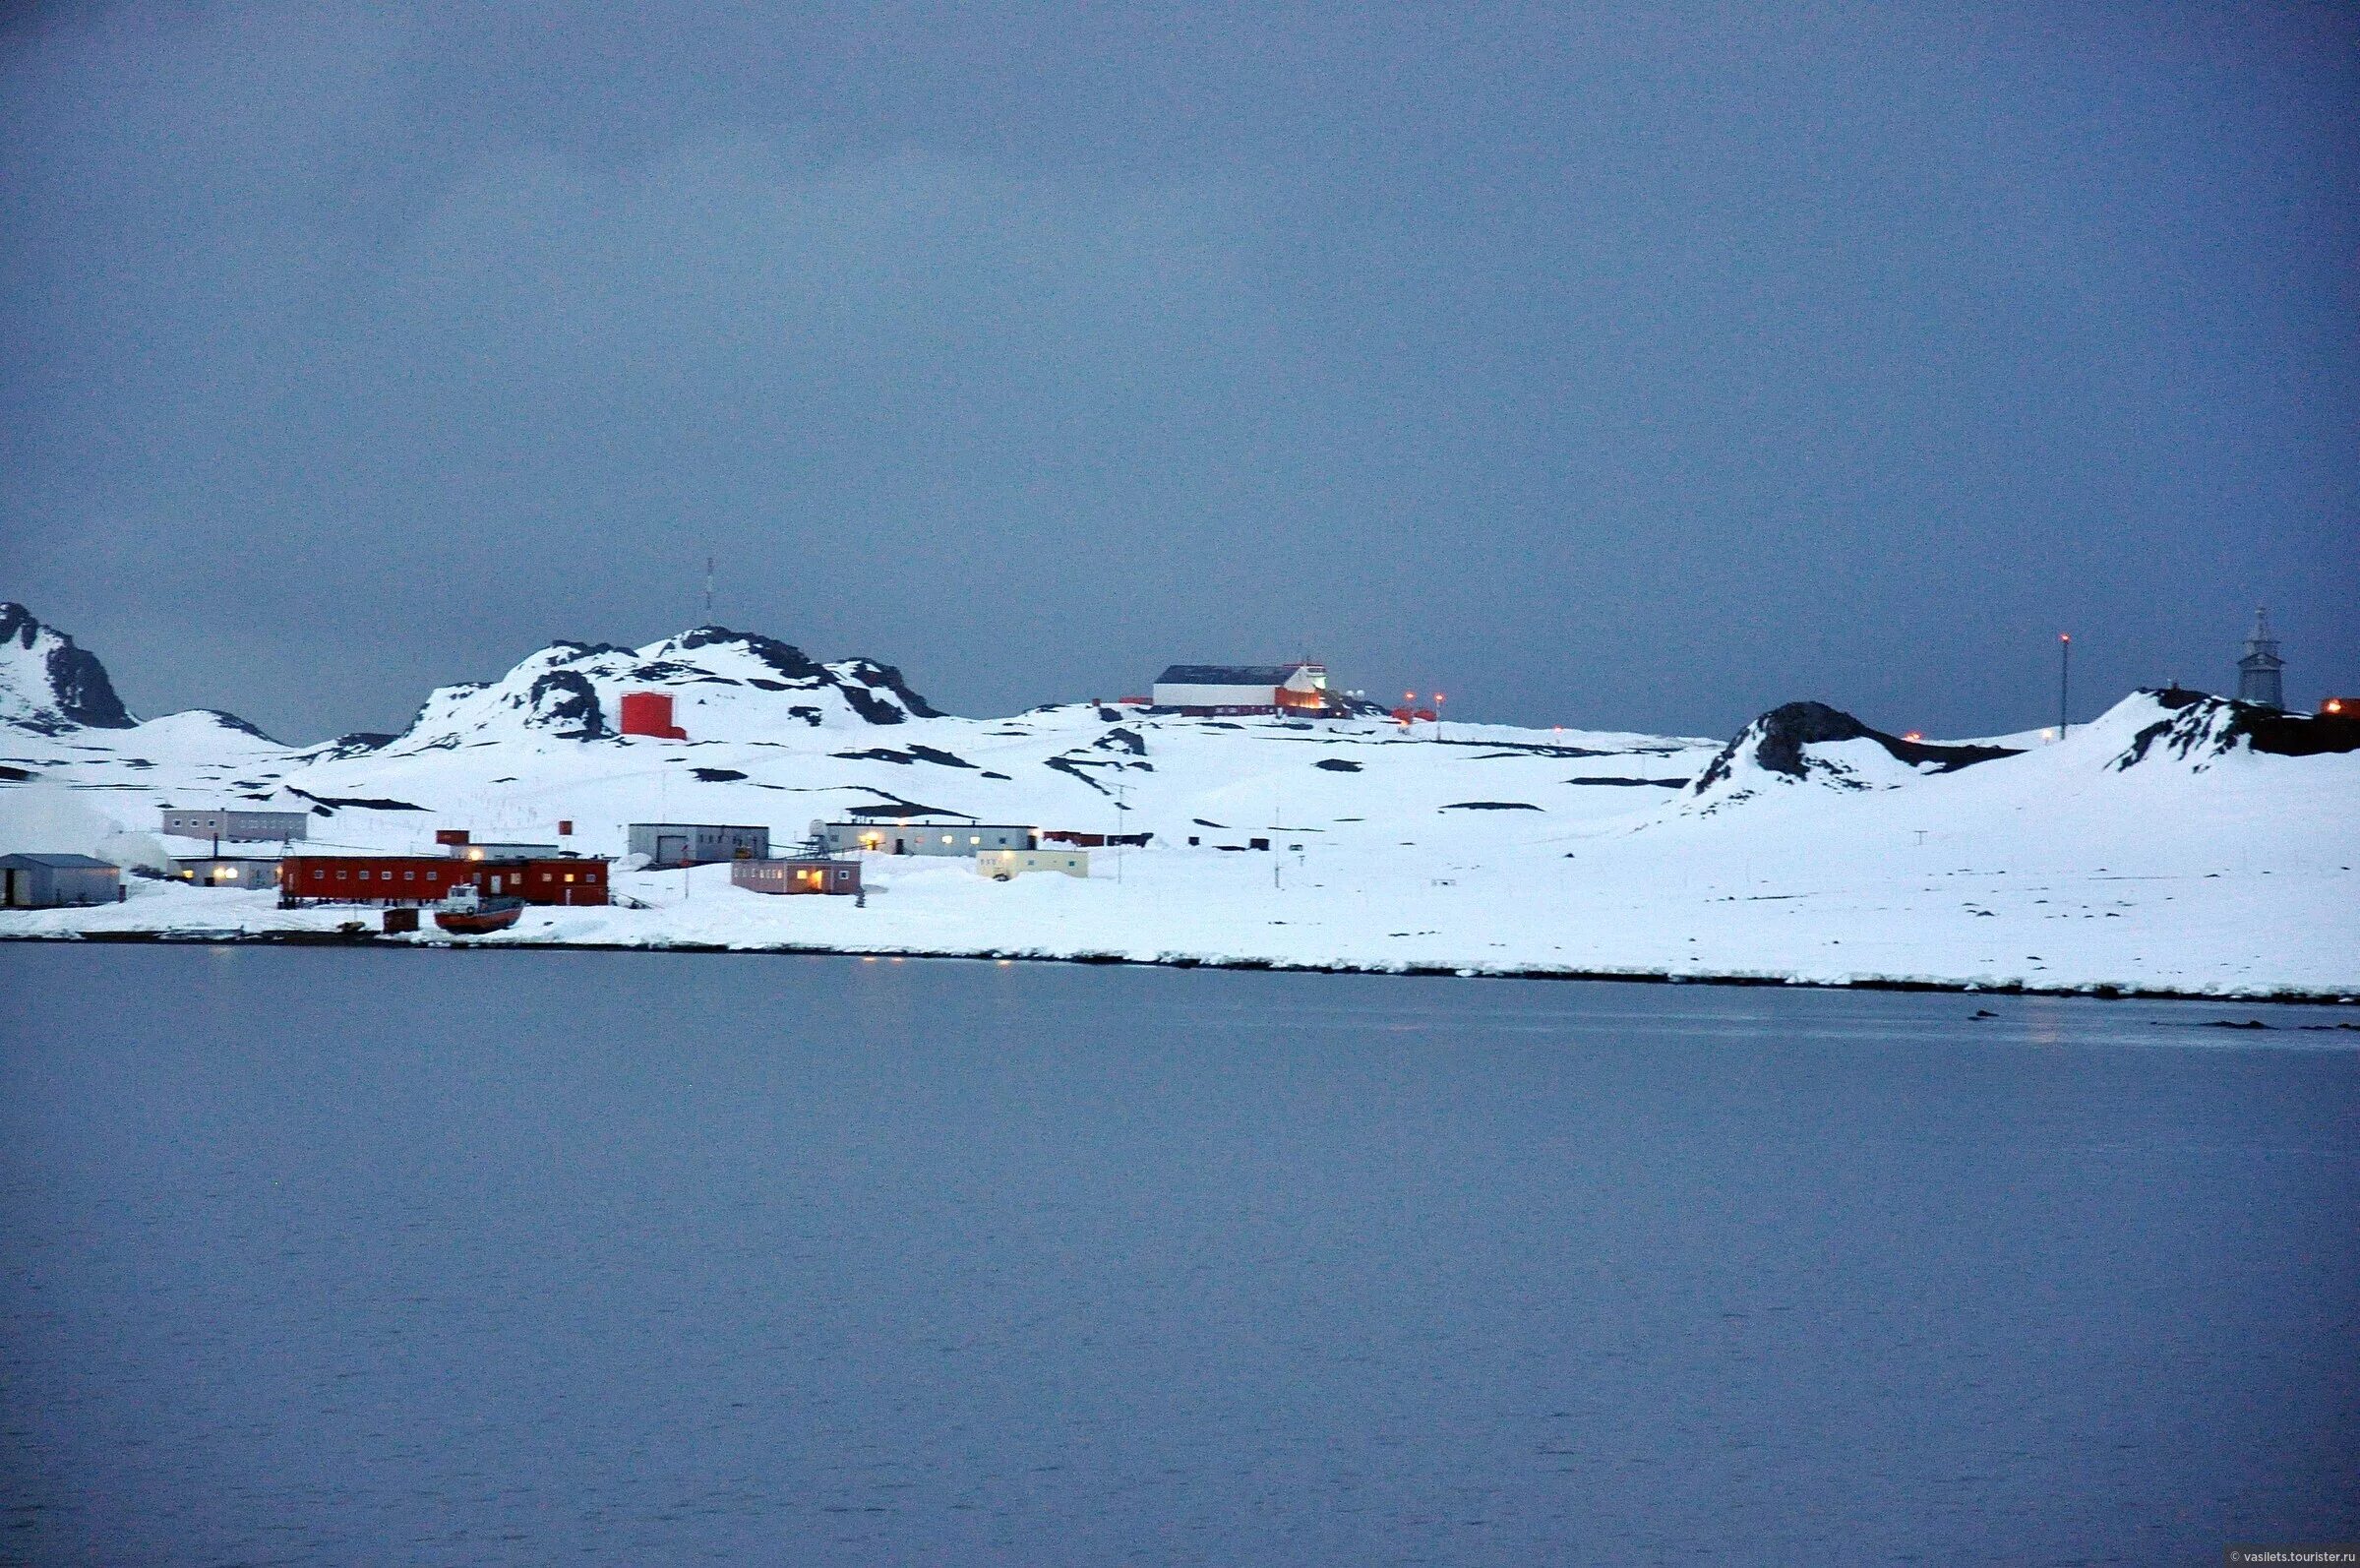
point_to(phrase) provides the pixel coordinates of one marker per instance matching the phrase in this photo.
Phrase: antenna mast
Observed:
(708, 589)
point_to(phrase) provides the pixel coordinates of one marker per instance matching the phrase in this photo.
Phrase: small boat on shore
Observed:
(468, 912)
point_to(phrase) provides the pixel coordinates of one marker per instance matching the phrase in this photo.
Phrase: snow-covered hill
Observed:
(2177, 843)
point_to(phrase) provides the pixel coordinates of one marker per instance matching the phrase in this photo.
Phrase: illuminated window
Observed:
(545, 876)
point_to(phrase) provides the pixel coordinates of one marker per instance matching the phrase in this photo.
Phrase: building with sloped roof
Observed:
(1230, 688)
(57, 881)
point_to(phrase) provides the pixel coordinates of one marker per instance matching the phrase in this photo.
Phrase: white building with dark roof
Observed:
(1210, 689)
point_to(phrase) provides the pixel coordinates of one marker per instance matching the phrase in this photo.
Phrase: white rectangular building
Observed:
(1005, 865)
(1217, 688)
(880, 837)
(236, 826)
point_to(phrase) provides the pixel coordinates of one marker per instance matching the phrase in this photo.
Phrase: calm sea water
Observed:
(361, 1257)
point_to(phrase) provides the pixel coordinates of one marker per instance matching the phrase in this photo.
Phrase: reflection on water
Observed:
(352, 1257)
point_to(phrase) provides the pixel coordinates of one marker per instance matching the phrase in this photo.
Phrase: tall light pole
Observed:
(2064, 682)
(1437, 716)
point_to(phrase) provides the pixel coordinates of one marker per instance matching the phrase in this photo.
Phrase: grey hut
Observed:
(57, 881)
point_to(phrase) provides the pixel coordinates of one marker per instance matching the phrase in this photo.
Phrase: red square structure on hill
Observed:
(650, 713)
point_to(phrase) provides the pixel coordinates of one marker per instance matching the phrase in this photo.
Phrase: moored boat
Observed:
(468, 912)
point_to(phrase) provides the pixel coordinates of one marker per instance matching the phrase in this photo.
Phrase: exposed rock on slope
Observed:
(48, 685)
(725, 685)
(1812, 742)
(2197, 728)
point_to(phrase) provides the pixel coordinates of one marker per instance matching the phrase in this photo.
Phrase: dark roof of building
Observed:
(707, 827)
(59, 862)
(1227, 675)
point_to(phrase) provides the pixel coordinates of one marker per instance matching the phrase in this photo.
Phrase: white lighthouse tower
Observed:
(2257, 678)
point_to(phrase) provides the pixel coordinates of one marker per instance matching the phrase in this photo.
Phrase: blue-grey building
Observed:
(236, 826)
(697, 843)
(57, 881)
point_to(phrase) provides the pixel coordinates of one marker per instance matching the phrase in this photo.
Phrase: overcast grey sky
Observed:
(1611, 365)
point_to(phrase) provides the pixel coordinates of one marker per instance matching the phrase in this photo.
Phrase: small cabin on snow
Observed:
(229, 870)
(800, 873)
(1005, 864)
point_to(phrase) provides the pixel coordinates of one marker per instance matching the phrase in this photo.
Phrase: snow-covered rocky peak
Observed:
(2195, 729)
(1810, 743)
(50, 685)
(724, 685)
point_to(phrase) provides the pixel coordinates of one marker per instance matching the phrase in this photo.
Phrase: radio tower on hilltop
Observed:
(2258, 678)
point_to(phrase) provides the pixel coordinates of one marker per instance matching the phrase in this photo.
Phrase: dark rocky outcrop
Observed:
(78, 691)
(1777, 740)
(2201, 726)
(566, 703)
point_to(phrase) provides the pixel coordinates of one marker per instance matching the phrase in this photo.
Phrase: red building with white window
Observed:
(429, 878)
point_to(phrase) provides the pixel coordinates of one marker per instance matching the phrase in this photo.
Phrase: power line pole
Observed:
(2064, 683)
(708, 590)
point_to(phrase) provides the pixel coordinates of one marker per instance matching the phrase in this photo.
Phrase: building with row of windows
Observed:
(430, 879)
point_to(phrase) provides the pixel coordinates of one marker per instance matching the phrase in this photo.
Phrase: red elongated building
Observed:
(428, 878)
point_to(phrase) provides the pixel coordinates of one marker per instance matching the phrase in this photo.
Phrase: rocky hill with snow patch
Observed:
(1812, 743)
(48, 685)
(724, 684)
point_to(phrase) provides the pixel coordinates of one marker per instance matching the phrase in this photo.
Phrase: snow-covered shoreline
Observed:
(2103, 991)
(2171, 848)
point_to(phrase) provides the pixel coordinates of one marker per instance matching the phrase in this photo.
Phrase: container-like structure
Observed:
(1005, 865)
(800, 873)
(649, 713)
